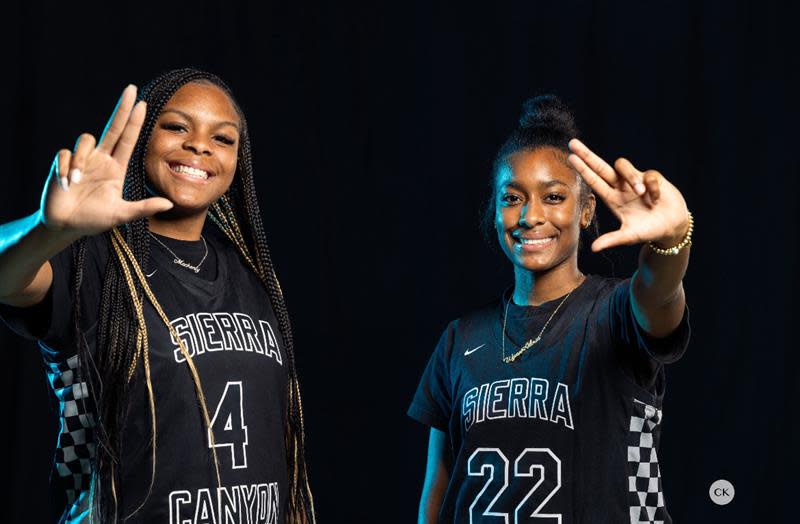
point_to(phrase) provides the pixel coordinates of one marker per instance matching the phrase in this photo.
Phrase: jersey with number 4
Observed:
(569, 432)
(230, 331)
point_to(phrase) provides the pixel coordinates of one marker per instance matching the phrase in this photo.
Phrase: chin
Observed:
(183, 209)
(534, 266)
(185, 203)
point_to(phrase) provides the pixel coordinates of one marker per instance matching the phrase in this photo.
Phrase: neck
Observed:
(180, 228)
(534, 288)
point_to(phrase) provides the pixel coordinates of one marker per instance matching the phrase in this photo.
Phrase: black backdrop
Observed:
(374, 129)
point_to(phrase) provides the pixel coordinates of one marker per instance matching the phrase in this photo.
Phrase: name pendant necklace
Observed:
(531, 341)
(178, 260)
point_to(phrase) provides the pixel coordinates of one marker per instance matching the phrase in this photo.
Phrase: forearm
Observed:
(657, 293)
(429, 506)
(25, 245)
(437, 475)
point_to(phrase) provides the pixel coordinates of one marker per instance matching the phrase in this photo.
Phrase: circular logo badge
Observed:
(721, 492)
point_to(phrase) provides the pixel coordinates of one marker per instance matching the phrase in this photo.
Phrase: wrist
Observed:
(58, 232)
(676, 237)
(56, 236)
(671, 246)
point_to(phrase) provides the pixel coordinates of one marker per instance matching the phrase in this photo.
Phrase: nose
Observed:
(531, 214)
(197, 144)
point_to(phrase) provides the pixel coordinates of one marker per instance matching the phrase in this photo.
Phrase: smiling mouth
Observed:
(188, 171)
(533, 244)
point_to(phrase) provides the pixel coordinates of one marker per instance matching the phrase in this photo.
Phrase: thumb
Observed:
(611, 239)
(130, 211)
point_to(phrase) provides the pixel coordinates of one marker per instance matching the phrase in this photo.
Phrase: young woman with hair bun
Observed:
(146, 279)
(545, 405)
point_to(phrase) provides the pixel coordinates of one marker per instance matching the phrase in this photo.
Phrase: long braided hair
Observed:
(122, 334)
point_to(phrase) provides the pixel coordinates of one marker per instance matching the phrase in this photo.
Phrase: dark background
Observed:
(374, 129)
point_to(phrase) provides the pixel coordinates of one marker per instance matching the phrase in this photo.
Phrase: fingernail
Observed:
(75, 176)
(640, 189)
(64, 183)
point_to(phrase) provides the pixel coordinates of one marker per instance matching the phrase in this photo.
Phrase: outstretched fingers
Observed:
(116, 124)
(61, 168)
(595, 163)
(130, 134)
(83, 147)
(598, 184)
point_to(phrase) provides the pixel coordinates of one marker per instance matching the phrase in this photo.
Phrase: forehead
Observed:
(534, 167)
(202, 100)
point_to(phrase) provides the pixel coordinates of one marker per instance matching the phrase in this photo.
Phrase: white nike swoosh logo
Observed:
(473, 350)
(151, 274)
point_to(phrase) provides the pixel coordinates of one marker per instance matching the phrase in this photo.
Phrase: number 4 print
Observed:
(228, 425)
(539, 463)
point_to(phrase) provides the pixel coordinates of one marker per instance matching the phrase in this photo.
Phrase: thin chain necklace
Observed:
(531, 341)
(178, 260)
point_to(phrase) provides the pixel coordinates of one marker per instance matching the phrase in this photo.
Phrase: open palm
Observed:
(647, 205)
(83, 193)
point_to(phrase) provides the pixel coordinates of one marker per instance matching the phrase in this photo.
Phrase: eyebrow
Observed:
(187, 117)
(544, 185)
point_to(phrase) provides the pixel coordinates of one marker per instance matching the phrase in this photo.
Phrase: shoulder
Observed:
(599, 290)
(598, 285)
(227, 252)
(477, 318)
(96, 251)
(92, 262)
(475, 325)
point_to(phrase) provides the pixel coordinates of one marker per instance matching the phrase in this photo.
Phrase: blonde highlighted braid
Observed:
(122, 342)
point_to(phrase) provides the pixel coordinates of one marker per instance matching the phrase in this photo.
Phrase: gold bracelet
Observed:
(674, 250)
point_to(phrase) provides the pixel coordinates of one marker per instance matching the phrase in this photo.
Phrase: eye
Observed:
(225, 139)
(172, 126)
(509, 199)
(555, 198)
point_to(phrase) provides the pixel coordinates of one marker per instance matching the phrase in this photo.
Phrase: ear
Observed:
(587, 213)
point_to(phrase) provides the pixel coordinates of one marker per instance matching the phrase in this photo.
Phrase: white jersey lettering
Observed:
(517, 398)
(215, 332)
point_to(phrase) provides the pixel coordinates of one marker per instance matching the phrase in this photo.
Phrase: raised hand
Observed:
(648, 207)
(83, 194)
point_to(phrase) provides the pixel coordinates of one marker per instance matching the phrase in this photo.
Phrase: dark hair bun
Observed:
(550, 113)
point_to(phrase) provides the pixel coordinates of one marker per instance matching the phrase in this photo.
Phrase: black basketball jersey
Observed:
(566, 434)
(230, 331)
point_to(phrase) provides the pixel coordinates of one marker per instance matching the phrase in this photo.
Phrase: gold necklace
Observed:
(178, 260)
(531, 341)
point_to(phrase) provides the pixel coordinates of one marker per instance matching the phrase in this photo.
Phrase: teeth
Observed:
(529, 241)
(196, 173)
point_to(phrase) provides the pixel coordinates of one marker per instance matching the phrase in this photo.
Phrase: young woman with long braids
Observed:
(545, 406)
(165, 335)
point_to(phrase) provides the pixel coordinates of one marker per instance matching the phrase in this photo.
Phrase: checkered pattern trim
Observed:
(76, 447)
(644, 480)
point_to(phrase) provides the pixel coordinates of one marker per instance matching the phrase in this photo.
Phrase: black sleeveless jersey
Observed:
(229, 328)
(569, 432)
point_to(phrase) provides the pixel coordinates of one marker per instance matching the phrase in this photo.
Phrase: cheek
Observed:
(150, 158)
(231, 165)
(158, 145)
(502, 219)
(228, 161)
(566, 217)
(150, 164)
